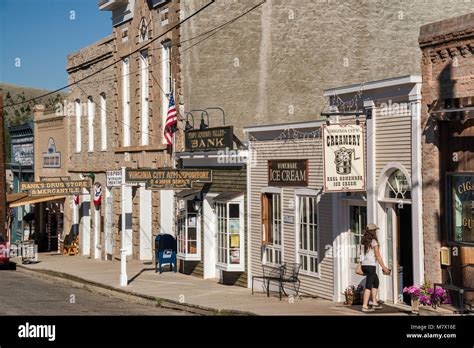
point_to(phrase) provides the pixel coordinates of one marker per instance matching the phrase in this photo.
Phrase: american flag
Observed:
(171, 121)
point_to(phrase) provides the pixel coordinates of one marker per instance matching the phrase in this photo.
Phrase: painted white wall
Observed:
(145, 224)
(103, 121)
(167, 217)
(90, 122)
(210, 241)
(109, 200)
(86, 223)
(78, 125)
(97, 246)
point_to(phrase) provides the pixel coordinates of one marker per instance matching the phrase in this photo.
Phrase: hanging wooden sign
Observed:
(288, 173)
(209, 139)
(55, 188)
(168, 179)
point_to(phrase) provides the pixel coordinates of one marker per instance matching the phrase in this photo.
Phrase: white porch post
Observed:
(96, 232)
(417, 186)
(145, 224)
(371, 161)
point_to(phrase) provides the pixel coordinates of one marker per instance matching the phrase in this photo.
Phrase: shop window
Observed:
(272, 228)
(398, 186)
(230, 235)
(188, 232)
(308, 236)
(358, 221)
(462, 207)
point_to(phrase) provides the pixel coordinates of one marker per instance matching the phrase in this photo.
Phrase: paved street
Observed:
(23, 294)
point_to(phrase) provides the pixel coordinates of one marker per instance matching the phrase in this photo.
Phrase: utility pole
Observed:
(3, 197)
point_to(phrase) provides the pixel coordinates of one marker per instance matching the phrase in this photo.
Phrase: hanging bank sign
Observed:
(210, 139)
(288, 173)
(344, 159)
(167, 179)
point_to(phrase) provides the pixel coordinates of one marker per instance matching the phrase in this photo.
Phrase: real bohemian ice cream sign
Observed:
(344, 160)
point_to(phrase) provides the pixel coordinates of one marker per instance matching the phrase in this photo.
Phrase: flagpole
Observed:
(173, 139)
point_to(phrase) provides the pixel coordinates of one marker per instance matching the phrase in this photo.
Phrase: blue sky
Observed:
(41, 34)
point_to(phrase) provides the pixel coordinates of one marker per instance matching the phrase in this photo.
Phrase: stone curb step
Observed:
(130, 295)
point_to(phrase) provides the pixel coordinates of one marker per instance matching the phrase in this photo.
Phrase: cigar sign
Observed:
(288, 173)
(344, 162)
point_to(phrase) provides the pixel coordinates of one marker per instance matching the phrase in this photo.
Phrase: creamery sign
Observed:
(55, 188)
(288, 173)
(344, 160)
(167, 179)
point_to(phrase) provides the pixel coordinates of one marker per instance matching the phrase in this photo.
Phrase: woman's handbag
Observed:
(359, 270)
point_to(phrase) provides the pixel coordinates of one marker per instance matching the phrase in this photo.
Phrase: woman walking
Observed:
(370, 257)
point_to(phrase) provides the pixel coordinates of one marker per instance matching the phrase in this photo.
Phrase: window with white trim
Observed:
(358, 221)
(78, 125)
(230, 235)
(103, 121)
(272, 228)
(144, 94)
(307, 234)
(166, 80)
(126, 101)
(90, 122)
(188, 232)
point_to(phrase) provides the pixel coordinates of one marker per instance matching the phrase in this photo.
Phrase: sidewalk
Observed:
(178, 290)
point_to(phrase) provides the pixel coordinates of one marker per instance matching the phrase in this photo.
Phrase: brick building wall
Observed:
(272, 65)
(448, 69)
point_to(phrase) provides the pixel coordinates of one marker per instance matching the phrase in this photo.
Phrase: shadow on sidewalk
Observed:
(139, 273)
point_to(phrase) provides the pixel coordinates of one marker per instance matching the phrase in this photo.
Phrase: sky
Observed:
(36, 36)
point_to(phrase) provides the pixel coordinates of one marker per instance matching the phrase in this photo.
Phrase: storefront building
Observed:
(448, 149)
(22, 166)
(52, 215)
(147, 75)
(316, 216)
(211, 225)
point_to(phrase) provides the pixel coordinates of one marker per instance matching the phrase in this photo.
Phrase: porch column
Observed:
(127, 206)
(145, 224)
(416, 186)
(371, 161)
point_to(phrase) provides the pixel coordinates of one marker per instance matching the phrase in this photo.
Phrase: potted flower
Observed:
(415, 295)
(430, 297)
(349, 294)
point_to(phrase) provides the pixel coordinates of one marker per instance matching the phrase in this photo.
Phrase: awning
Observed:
(33, 200)
(228, 196)
(187, 193)
(12, 197)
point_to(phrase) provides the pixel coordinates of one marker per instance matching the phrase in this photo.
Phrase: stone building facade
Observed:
(92, 130)
(448, 150)
(147, 72)
(272, 65)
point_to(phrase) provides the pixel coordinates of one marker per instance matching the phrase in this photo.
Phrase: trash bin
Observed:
(165, 252)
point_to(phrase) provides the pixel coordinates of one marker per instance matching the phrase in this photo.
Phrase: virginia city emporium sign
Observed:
(209, 139)
(114, 178)
(55, 188)
(167, 179)
(344, 161)
(288, 173)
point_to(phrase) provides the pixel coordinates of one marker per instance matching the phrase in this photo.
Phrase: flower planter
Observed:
(415, 305)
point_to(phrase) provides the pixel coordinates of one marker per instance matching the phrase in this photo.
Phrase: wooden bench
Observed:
(461, 290)
(71, 245)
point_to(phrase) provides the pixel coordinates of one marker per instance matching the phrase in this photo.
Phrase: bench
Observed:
(461, 290)
(288, 272)
(71, 245)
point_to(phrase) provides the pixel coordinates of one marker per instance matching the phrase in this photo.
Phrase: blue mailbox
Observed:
(165, 252)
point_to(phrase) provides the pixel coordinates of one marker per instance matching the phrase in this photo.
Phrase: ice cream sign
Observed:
(344, 162)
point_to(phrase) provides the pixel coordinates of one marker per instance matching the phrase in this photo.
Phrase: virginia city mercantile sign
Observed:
(288, 173)
(344, 161)
(168, 179)
(209, 139)
(55, 188)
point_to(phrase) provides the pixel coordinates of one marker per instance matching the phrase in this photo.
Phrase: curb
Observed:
(130, 295)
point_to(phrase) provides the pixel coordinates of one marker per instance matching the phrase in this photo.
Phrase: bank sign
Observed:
(344, 159)
(209, 140)
(288, 173)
